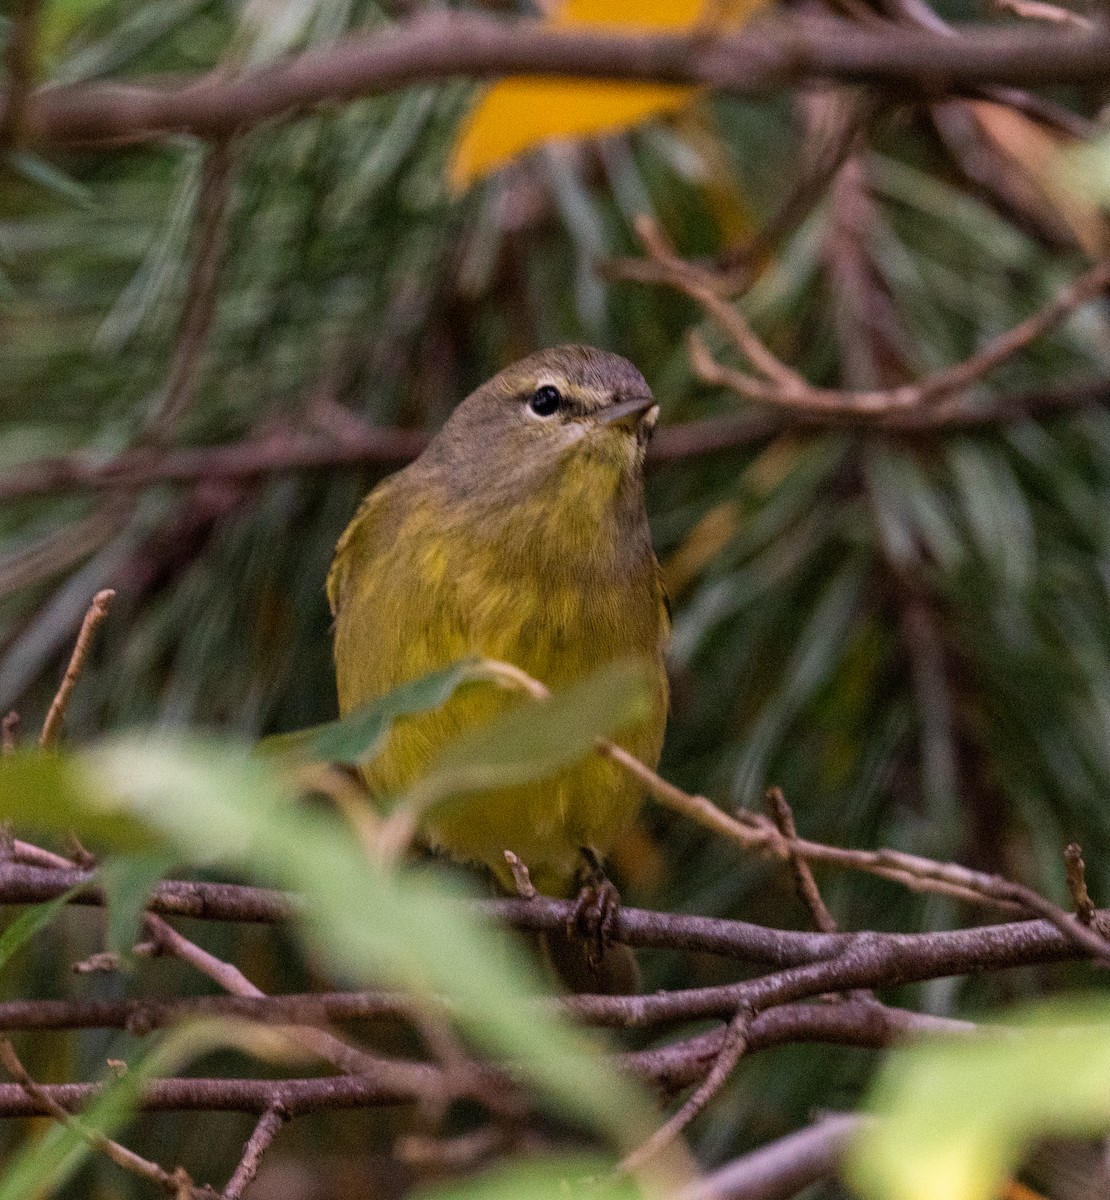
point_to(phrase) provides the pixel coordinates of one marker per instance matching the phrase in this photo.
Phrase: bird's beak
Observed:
(629, 414)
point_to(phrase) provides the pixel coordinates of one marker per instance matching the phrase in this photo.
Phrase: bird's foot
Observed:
(596, 908)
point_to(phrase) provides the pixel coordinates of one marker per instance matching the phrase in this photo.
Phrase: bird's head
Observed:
(571, 413)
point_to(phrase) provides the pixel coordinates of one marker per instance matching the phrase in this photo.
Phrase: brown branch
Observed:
(273, 454)
(672, 1067)
(1076, 872)
(804, 883)
(734, 1045)
(176, 1183)
(268, 1127)
(1041, 939)
(288, 451)
(98, 610)
(45, 877)
(782, 1168)
(778, 385)
(20, 62)
(763, 58)
(406, 1083)
(331, 1049)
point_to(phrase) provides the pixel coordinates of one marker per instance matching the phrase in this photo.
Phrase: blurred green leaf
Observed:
(535, 739)
(956, 1115)
(127, 880)
(30, 921)
(217, 803)
(54, 793)
(46, 1163)
(544, 1179)
(358, 736)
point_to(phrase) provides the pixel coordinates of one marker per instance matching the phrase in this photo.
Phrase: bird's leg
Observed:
(594, 916)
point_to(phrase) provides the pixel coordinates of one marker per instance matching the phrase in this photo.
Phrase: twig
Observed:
(268, 1127)
(806, 885)
(98, 610)
(764, 57)
(670, 1067)
(525, 888)
(732, 1050)
(20, 62)
(783, 1168)
(37, 874)
(176, 1183)
(326, 1045)
(703, 286)
(402, 1084)
(1075, 870)
(1038, 10)
(784, 387)
(9, 733)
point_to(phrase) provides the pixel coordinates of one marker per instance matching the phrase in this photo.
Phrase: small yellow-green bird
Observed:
(519, 534)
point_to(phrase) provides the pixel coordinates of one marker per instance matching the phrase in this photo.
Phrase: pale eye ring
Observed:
(546, 400)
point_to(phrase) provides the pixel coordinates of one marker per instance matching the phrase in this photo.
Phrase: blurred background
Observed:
(908, 630)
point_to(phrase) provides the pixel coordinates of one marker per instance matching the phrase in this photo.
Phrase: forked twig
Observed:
(98, 610)
(778, 384)
(732, 1050)
(806, 885)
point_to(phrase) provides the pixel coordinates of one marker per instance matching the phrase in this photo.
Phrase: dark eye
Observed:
(545, 400)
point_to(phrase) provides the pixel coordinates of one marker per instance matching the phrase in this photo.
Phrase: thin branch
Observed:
(42, 875)
(770, 55)
(404, 1084)
(670, 1068)
(268, 1127)
(24, 884)
(20, 63)
(783, 1168)
(287, 451)
(734, 1045)
(1076, 872)
(98, 610)
(176, 1183)
(331, 1049)
(804, 883)
(776, 384)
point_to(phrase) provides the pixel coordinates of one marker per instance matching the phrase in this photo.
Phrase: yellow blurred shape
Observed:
(517, 114)
(700, 546)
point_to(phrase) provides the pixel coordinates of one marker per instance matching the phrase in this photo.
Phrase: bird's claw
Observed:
(594, 918)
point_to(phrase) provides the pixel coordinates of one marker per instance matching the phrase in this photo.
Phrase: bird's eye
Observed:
(545, 400)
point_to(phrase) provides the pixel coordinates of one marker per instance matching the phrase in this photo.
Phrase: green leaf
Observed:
(956, 1114)
(535, 739)
(46, 1163)
(215, 802)
(360, 735)
(30, 921)
(547, 1179)
(53, 792)
(128, 880)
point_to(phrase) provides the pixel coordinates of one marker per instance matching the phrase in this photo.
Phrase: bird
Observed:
(520, 533)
